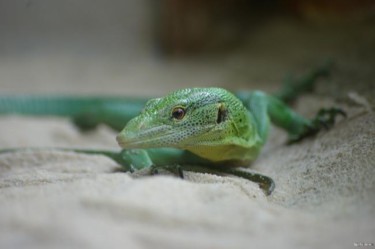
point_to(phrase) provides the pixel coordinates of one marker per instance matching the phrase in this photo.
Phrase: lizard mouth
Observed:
(153, 137)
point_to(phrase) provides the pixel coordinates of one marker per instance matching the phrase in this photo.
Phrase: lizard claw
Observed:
(154, 170)
(325, 118)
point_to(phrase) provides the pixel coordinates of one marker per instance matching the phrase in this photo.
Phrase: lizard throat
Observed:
(242, 155)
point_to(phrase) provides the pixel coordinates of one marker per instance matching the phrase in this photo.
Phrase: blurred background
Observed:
(144, 47)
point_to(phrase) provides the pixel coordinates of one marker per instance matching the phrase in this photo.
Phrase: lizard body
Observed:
(199, 129)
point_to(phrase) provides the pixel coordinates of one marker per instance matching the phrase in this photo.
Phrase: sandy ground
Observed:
(325, 186)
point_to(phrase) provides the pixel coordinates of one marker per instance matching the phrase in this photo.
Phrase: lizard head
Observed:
(201, 120)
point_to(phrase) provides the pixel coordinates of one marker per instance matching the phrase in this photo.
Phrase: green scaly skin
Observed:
(209, 128)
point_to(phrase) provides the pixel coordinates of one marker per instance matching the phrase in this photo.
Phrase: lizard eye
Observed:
(178, 113)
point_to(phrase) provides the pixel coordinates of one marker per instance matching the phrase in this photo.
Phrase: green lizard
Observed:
(197, 129)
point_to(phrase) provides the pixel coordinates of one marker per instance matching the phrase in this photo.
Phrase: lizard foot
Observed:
(174, 169)
(324, 119)
(265, 183)
(85, 121)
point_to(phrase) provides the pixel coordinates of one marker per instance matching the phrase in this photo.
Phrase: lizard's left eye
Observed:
(178, 113)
